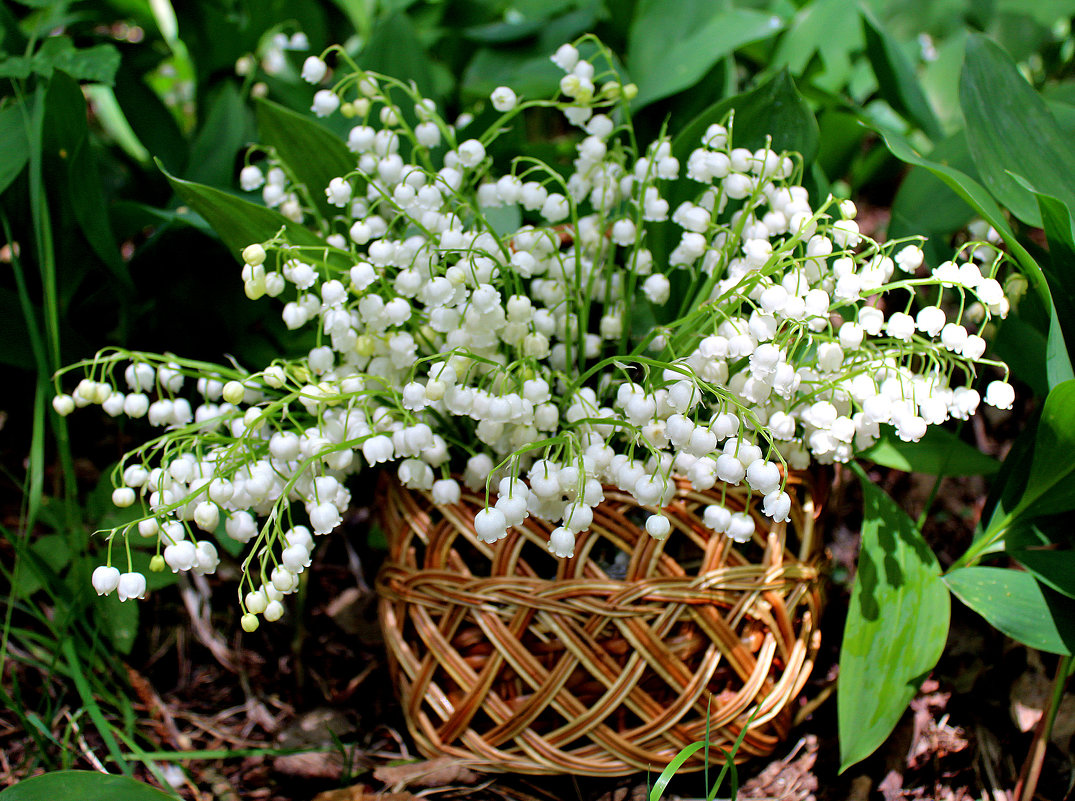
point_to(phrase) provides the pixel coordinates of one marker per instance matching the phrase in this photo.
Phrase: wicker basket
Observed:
(606, 663)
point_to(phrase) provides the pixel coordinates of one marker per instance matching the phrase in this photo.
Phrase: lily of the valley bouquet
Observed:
(547, 359)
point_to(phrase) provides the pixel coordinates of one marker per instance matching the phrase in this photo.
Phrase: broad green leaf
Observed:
(775, 108)
(939, 453)
(1023, 348)
(14, 148)
(236, 221)
(897, 624)
(85, 785)
(1060, 273)
(1044, 12)
(1058, 367)
(530, 76)
(1011, 132)
(395, 49)
(896, 79)
(1055, 569)
(831, 30)
(924, 204)
(151, 121)
(226, 130)
(1016, 604)
(68, 141)
(1050, 487)
(118, 621)
(313, 154)
(98, 63)
(679, 63)
(979, 199)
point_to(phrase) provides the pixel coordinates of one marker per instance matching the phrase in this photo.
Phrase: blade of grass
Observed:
(96, 715)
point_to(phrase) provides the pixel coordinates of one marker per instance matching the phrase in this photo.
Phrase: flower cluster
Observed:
(666, 308)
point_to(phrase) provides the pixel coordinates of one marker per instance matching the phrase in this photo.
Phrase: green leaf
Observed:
(831, 30)
(68, 141)
(530, 76)
(1023, 348)
(1017, 605)
(14, 148)
(98, 63)
(667, 54)
(1050, 488)
(1011, 132)
(313, 154)
(85, 785)
(938, 453)
(775, 108)
(118, 621)
(896, 79)
(1060, 273)
(395, 49)
(236, 221)
(897, 624)
(223, 134)
(1055, 569)
(924, 204)
(978, 198)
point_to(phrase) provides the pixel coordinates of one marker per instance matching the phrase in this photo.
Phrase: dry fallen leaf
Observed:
(430, 773)
(360, 792)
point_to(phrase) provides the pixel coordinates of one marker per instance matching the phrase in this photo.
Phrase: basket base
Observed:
(604, 664)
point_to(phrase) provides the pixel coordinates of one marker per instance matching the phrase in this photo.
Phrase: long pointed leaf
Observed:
(897, 625)
(1012, 133)
(313, 154)
(238, 222)
(1016, 604)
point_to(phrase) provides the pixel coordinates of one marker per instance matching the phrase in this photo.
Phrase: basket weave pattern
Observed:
(605, 663)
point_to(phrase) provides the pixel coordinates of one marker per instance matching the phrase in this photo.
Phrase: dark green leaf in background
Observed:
(1060, 273)
(1023, 348)
(897, 624)
(775, 108)
(83, 785)
(1010, 130)
(67, 148)
(313, 155)
(98, 63)
(395, 49)
(1016, 604)
(228, 128)
(925, 205)
(1050, 487)
(238, 222)
(829, 29)
(896, 79)
(1055, 569)
(978, 198)
(14, 149)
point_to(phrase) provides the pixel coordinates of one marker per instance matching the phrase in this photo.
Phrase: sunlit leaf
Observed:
(939, 453)
(1010, 131)
(897, 624)
(85, 785)
(1016, 604)
(667, 53)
